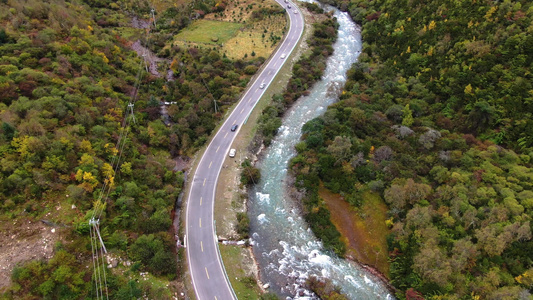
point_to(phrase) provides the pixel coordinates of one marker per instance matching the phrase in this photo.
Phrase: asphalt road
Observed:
(205, 265)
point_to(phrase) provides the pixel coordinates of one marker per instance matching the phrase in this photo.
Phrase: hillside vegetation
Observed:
(436, 117)
(67, 73)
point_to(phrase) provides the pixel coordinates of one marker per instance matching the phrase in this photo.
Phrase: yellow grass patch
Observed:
(208, 32)
(363, 231)
(253, 38)
(259, 36)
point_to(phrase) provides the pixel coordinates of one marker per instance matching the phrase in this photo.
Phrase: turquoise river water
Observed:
(285, 248)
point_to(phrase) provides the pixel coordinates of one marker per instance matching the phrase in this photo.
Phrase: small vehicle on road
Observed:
(283, 56)
(232, 152)
(234, 127)
(288, 6)
(295, 12)
(286, 1)
(262, 86)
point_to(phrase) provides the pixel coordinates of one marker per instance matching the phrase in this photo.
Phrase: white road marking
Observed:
(210, 164)
(201, 201)
(293, 19)
(202, 246)
(200, 221)
(204, 181)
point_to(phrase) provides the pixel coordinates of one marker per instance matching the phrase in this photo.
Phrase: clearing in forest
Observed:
(243, 30)
(364, 230)
(208, 32)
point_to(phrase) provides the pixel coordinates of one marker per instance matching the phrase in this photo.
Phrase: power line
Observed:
(96, 265)
(102, 249)
(99, 275)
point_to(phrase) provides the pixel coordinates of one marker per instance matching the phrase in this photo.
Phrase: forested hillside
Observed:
(436, 118)
(67, 73)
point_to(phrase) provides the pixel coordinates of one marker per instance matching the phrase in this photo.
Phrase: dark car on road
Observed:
(234, 127)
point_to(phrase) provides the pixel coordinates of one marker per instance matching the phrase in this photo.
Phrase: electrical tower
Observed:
(130, 106)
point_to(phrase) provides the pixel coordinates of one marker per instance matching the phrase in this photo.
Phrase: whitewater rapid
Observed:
(285, 248)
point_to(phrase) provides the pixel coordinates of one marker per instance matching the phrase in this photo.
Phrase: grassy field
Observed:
(253, 38)
(240, 275)
(209, 32)
(234, 32)
(364, 231)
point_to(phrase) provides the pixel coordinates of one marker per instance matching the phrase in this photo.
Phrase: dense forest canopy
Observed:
(436, 118)
(469, 60)
(67, 73)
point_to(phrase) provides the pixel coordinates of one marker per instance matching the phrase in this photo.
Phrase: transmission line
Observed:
(97, 255)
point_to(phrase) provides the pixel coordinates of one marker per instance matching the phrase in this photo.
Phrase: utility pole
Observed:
(95, 223)
(144, 58)
(152, 11)
(215, 101)
(131, 111)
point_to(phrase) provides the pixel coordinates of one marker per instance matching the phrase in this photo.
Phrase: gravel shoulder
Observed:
(231, 198)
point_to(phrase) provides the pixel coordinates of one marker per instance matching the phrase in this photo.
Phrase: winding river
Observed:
(285, 248)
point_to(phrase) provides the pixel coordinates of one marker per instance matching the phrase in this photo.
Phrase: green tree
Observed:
(482, 116)
(249, 173)
(407, 118)
(340, 148)
(8, 131)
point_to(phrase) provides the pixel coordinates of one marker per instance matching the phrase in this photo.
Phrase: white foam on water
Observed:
(264, 198)
(325, 273)
(262, 219)
(319, 259)
(289, 252)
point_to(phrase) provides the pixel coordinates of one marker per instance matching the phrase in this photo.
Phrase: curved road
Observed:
(205, 265)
